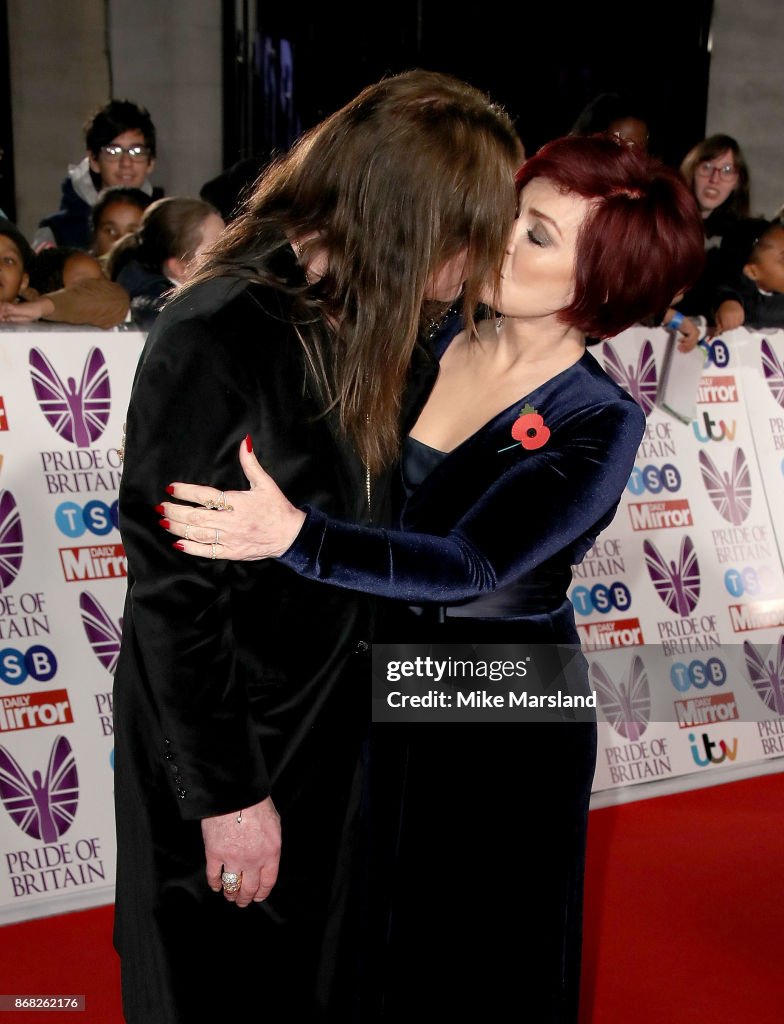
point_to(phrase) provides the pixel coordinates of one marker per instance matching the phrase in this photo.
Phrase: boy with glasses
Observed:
(120, 143)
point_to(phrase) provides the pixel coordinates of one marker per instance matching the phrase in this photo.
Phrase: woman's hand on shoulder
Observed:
(233, 525)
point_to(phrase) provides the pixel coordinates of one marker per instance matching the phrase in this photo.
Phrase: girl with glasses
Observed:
(716, 171)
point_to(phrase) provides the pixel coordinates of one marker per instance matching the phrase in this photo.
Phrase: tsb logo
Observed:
(96, 516)
(38, 662)
(749, 581)
(601, 598)
(698, 674)
(654, 479)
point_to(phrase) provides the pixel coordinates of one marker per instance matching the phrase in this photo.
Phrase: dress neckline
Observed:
(440, 348)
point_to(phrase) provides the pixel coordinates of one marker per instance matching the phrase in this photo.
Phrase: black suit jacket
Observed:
(236, 680)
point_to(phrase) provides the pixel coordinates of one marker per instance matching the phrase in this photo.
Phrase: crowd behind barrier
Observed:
(680, 603)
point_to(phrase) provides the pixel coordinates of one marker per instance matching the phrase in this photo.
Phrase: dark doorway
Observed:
(287, 66)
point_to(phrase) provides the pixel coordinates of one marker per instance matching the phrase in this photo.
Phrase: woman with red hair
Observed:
(516, 463)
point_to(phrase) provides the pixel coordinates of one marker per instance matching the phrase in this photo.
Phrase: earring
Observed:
(499, 322)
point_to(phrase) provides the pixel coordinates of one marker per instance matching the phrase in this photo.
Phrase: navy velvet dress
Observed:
(478, 830)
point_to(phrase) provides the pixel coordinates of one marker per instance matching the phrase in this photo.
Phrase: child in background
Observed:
(61, 267)
(117, 213)
(120, 146)
(16, 260)
(756, 297)
(162, 254)
(63, 285)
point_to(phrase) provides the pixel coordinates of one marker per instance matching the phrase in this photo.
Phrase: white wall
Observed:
(167, 56)
(67, 58)
(746, 94)
(59, 74)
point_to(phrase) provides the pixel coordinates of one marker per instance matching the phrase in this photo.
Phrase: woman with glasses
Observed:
(718, 175)
(120, 144)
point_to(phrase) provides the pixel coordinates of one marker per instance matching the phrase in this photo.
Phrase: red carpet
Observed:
(684, 908)
(684, 919)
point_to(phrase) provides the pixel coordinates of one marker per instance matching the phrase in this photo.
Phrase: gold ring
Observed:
(217, 535)
(213, 546)
(231, 881)
(219, 505)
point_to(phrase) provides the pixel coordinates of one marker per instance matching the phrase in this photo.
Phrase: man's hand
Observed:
(246, 842)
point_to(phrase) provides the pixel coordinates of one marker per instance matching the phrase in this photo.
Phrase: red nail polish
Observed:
(164, 523)
(170, 489)
(160, 509)
(248, 443)
(179, 545)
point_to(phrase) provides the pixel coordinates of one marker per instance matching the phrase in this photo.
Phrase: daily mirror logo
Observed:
(79, 413)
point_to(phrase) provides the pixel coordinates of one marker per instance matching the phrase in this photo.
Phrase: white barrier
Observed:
(63, 396)
(680, 604)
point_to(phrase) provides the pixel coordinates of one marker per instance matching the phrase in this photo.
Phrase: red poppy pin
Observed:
(529, 430)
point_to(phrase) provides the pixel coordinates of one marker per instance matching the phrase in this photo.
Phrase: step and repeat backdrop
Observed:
(680, 603)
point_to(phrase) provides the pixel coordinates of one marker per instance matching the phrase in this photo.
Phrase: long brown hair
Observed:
(414, 171)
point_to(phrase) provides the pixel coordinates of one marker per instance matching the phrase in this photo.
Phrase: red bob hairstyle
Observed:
(642, 243)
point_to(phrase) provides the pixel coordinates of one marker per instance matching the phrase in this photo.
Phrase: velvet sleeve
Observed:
(545, 502)
(185, 418)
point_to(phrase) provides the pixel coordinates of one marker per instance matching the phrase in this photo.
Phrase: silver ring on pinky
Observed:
(217, 535)
(213, 546)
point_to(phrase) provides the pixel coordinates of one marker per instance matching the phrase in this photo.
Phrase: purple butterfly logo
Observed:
(773, 371)
(640, 380)
(729, 492)
(627, 706)
(767, 677)
(78, 414)
(103, 634)
(44, 808)
(11, 540)
(678, 585)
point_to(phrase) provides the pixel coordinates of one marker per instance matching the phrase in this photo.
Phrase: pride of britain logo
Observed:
(767, 676)
(626, 705)
(729, 491)
(42, 805)
(103, 634)
(676, 583)
(774, 372)
(79, 413)
(639, 379)
(11, 540)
